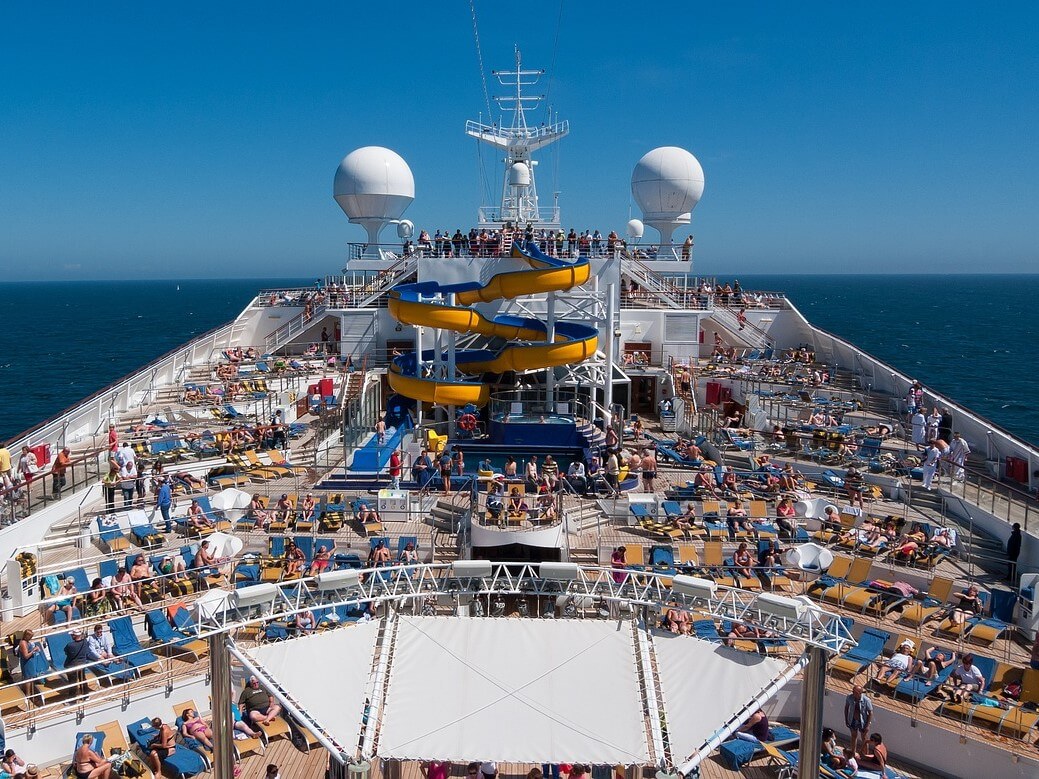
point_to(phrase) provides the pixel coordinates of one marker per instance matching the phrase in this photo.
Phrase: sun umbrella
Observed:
(233, 503)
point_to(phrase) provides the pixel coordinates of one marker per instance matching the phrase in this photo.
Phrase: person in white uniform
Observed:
(930, 464)
(919, 423)
(957, 455)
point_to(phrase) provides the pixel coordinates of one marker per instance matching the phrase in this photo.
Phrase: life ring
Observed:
(467, 422)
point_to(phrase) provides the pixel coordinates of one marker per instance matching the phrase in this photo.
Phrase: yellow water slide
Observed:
(426, 304)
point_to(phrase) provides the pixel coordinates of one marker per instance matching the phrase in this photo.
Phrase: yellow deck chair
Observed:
(1018, 720)
(937, 598)
(687, 555)
(838, 569)
(272, 730)
(115, 738)
(252, 745)
(259, 466)
(857, 576)
(989, 715)
(278, 461)
(714, 561)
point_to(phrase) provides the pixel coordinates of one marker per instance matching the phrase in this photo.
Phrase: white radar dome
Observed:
(373, 185)
(667, 183)
(519, 175)
(635, 229)
(405, 229)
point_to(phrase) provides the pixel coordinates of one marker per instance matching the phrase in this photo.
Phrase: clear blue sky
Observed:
(142, 141)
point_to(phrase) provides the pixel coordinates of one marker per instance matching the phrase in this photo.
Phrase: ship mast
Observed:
(519, 197)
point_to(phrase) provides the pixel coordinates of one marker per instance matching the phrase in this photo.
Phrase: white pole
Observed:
(608, 382)
(550, 375)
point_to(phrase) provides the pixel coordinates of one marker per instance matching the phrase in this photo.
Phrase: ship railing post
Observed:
(813, 688)
(223, 728)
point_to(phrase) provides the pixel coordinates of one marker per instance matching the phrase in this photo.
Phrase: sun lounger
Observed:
(869, 648)
(738, 752)
(110, 536)
(114, 739)
(857, 576)
(965, 708)
(171, 642)
(916, 688)
(127, 646)
(181, 762)
(936, 599)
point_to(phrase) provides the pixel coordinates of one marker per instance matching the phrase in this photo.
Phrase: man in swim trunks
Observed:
(261, 708)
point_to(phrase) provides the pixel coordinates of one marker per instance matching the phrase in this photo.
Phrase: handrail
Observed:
(940, 399)
(25, 435)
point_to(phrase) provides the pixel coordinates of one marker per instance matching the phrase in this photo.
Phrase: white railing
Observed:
(295, 326)
(87, 418)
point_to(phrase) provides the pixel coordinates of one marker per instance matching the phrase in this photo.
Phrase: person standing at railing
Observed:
(687, 247)
(164, 502)
(58, 471)
(5, 464)
(959, 449)
(1013, 552)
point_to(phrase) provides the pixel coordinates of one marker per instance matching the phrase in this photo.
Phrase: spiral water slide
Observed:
(425, 304)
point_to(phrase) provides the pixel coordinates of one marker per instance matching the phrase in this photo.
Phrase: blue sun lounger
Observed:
(181, 763)
(126, 644)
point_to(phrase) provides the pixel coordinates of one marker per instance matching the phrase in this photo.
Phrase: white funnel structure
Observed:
(373, 186)
(667, 183)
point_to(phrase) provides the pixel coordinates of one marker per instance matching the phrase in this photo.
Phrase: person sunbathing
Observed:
(969, 605)
(899, 664)
(257, 513)
(408, 555)
(192, 395)
(295, 559)
(304, 621)
(704, 481)
(934, 660)
(193, 726)
(284, 508)
(189, 482)
(743, 561)
(741, 632)
(379, 555)
(678, 621)
(366, 514)
(87, 764)
(517, 506)
(307, 508)
(197, 517)
(322, 561)
(123, 590)
(736, 519)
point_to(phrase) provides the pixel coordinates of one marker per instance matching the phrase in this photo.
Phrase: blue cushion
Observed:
(737, 753)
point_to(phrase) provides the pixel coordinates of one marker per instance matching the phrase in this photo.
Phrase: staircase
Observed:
(582, 517)
(593, 437)
(750, 336)
(448, 516)
(292, 328)
(977, 547)
(584, 556)
(398, 273)
(651, 282)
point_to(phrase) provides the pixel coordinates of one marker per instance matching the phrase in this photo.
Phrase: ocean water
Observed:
(970, 338)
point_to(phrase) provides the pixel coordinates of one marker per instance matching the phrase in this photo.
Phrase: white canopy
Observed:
(704, 684)
(514, 690)
(326, 674)
(519, 690)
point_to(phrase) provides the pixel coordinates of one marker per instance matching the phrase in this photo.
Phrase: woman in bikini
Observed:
(195, 727)
(161, 746)
(87, 764)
